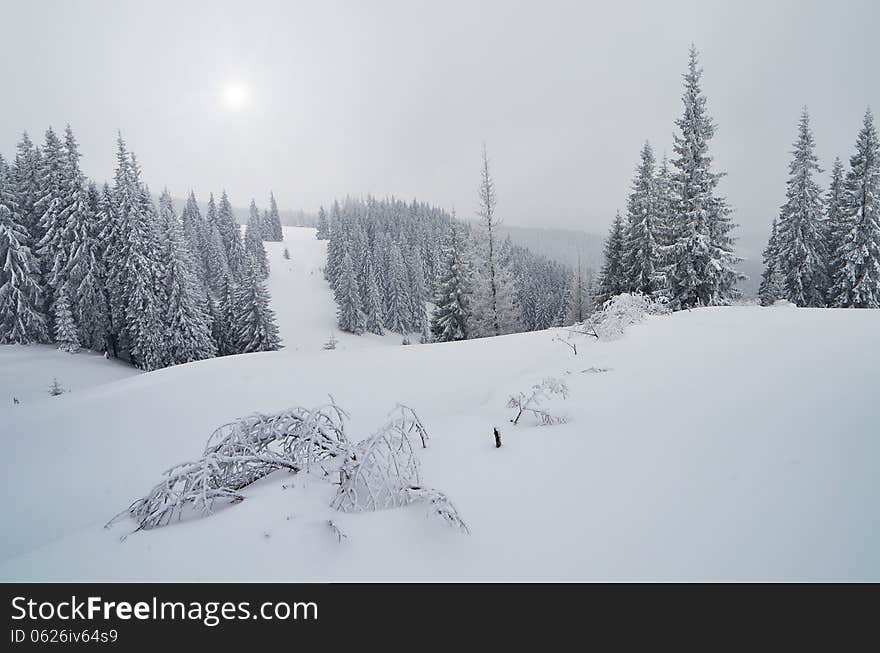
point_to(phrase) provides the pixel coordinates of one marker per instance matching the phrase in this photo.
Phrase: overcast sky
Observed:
(396, 97)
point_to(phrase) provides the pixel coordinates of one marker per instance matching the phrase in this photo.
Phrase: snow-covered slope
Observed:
(26, 372)
(301, 298)
(731, 443)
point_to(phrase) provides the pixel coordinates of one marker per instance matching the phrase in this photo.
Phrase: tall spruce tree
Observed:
(323, 225)
(772, 285)
(87, 269)
(800, 244)
(349, 315)
(216, 266)
(52, 249)
(187, 322)
(134, 282)
(373, 310)
(224, 326)
(702, 260)
(612, 278)
(253, 241)
(66, 335)
(272, 224)
(451, 315)
(641, 259)
(858, 280)
(835, 224)
(26, 180)
(398, 316)
(22, 320)
(254, 320)
(196, 231)
(230, 233)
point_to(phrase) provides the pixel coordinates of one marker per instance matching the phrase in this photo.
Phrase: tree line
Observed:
(824, 249)
(414, 269)
(108, 269)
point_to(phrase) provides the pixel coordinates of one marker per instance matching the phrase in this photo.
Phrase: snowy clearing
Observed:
(729, 443)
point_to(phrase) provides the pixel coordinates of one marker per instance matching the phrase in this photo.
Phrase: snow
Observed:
(736, 443)
(26, 372)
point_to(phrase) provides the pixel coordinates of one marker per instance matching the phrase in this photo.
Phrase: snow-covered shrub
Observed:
(331, 343)
(621, 312)
(238, 454)
(379, 472)
(383, 472)
(532, 401)
(286, 254)
(380, 468)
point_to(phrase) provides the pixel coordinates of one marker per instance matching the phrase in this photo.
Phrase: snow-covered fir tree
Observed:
(701, 266)
(272, 223)
(418, 295)
(772, 286)
(253, 241)
(451, 315)
(664, 209)
(53, 247)
(254, 320)
(230, 233)
(196, 230)
(612, 277)
(22, 320)
(835, 224)
(66, 336)
(216, 267)
(77, 238)
(857, 284)
(349, 315)
(800, 242)
(493, 309)
(134, 281)
(641, 261)
(187, 322)
(25, 175)
(88, 272)
(398, 314)
(323, 225)
(373, 309)
(223, 327)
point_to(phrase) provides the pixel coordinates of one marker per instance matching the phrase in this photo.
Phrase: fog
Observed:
(318, 100)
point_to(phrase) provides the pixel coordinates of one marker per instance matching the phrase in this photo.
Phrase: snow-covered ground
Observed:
(27, 372)
(732, 443)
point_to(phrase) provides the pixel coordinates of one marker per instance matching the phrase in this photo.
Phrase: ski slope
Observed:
(736, 443)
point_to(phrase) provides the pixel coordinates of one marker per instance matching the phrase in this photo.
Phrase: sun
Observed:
(235, 96)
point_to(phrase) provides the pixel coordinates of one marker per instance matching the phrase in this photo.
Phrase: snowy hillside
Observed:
(305, 311)
(303, 303)
(729, 443)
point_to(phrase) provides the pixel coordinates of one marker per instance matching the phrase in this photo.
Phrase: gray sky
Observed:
(396, 97)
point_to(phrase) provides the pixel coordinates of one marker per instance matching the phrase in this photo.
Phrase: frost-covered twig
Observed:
(340, 535)
(531, 402)
(571, 344)
(438, 505)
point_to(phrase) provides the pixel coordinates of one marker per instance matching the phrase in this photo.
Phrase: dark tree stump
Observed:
(497, 438)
